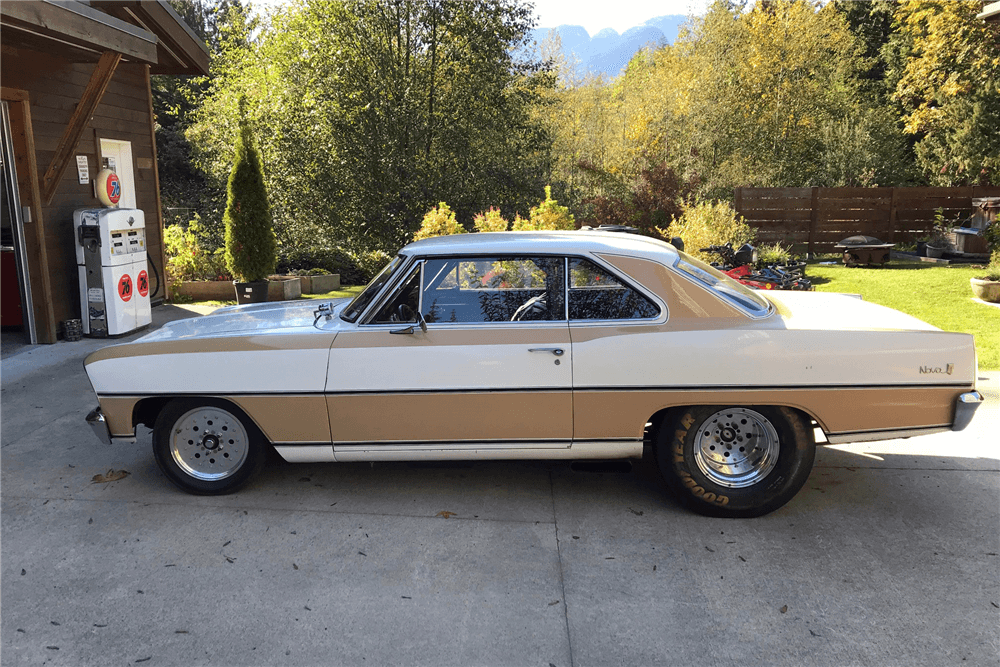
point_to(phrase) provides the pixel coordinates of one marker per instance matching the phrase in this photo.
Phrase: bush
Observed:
(188, 257)
(773, 253)
(548, 215)
(250, 241)
(370, 262)
(705, 224)
(490, 221)
(439, 221)
(332, 260)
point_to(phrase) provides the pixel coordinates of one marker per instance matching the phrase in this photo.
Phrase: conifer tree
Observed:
(250, 242)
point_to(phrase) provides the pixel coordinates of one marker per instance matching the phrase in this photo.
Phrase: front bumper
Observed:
(965, 408)
(100, 427)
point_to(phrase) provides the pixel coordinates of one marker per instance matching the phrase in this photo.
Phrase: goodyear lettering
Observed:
(687, 420)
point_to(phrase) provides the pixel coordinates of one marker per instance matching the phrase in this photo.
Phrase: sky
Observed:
(595, 15)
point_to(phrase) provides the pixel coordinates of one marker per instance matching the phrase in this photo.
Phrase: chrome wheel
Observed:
(736, 448)
(208, 443)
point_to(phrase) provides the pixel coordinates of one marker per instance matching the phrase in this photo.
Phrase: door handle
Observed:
(558, 351)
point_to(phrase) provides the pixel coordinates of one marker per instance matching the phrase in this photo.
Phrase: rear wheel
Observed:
(735, 461)
(207, 447)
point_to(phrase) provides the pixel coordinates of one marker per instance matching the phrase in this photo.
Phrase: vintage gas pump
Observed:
(111, 259)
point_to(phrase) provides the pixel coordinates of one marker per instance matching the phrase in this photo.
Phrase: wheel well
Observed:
(147, 410)
(661, 417)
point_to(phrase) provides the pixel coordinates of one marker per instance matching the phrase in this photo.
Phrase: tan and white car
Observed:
(539, 345)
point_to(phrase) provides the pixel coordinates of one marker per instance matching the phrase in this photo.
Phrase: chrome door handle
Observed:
(558, 351)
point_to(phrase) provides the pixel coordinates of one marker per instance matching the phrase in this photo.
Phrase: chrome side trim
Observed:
(870, 436)
(965, 408)
(306, 454)
(482, 451)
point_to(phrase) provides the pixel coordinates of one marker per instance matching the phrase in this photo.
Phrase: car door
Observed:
(486, 366)
(615, 327)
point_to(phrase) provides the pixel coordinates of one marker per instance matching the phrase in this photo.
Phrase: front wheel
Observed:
(207, 447)
(735, 461)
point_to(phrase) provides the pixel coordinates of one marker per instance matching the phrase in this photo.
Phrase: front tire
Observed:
(207, 447)
(735, 461)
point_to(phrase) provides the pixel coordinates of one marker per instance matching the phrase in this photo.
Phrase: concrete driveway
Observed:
(889, 556)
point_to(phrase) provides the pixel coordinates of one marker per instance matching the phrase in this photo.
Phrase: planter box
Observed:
(320, 284)
(284, 288)
(279, 288)
(987, 290)
(204, 290)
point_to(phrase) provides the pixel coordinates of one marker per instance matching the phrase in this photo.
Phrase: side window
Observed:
(595, 294)
(493, 289)
(402, 307)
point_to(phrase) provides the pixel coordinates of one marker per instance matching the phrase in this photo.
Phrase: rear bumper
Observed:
(99, 425)
(965, 408)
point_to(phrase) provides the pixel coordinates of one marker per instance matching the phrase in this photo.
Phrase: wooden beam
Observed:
(23, 137)
(80, 25)
(91, 97)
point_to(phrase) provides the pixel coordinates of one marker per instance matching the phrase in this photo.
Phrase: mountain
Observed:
(607, 52)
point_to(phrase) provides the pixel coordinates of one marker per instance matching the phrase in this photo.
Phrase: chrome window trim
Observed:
(662, 318)
(388, 291)
(724, 297)
(364, 314)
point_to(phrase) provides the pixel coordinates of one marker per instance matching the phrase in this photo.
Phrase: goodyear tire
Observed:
(207, 447)
(735, 461)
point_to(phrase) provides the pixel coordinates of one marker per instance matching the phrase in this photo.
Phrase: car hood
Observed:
(278, 317)
(844, 312)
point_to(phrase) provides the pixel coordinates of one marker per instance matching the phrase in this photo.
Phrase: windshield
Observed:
(361, 301)
(742, 295)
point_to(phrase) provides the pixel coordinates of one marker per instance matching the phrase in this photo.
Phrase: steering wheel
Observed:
(533, 306)
(403, 314)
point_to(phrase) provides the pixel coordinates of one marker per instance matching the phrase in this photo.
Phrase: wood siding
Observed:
(54, 88)
(815, 219)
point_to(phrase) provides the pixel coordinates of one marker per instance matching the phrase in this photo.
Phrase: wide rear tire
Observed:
(735, 461)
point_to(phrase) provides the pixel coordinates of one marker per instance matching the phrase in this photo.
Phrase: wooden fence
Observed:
(813, 220)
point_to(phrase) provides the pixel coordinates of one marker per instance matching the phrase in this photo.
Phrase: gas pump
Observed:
(111, 260)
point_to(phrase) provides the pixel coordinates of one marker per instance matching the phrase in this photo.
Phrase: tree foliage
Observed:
(371, 111)
(950, 90)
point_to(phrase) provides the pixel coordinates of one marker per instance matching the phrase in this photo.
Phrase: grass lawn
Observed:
(938, 294)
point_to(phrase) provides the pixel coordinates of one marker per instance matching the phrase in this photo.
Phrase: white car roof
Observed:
(561, 243)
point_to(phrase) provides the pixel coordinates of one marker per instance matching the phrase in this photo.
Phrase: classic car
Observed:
(539, 345)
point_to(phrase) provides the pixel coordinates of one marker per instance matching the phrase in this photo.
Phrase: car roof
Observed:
(545, 242)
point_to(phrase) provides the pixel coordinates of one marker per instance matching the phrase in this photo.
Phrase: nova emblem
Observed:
(937, 369)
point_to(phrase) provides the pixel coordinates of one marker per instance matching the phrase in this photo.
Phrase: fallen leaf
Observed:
(553, 603)
(180, 632)
(23, 572)
(406, 597)
(53, 623)
(52, 648)
(444, 514)
(228, 542)
(635, 512)
(90, 521)
(710, 549)
(148, 657)
(100, 625)
(995, 604)
(784, 609)
(110, 476)
(294, 566)
(307, 608)
(742, 558)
